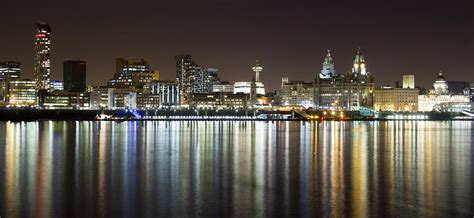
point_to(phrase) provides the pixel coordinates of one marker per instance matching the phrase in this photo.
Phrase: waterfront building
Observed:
(99, 97)
(56, 85)
(349, 92)
(328, 70)
(74, 75)
(204, 80)
(168, 92)
(246, 88)
(396, 99)
(121, 98)
(440, 98)
(22, 92)
(185, 71)
(42, 61)
(408, 82)
(223, 87)
(296, 93)
(148, 101)
(67, 100)
(9, 71)
(131, 72)
(220, 101)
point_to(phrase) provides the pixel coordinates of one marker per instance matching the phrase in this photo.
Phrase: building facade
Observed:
(74, 75)
(131, 72)
(408, 82)
(220, 101)
(56, 85)
(185, 71)
(22, 92)
(440, 98)
(396, 99)
(42, 56)
(223, 87)
(9, 71)
(296, 93)
(168, 92)
(246, 88)
(349, 92)
(205, 79)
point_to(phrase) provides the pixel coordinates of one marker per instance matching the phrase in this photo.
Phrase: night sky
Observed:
(290, 38)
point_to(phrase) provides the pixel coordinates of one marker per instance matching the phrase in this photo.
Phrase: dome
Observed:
(440, 77)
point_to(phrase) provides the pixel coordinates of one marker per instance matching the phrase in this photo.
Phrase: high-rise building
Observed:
(131, 72)
(204, 80)
(350, 91)
(328, 70)
(9, 71)
(408, 81)
(74, 75)
(42, 61)
(185, 71)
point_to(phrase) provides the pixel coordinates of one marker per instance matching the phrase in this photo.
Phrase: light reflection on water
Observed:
(230, 168)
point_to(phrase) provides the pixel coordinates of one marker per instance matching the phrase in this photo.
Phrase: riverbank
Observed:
(9, 114)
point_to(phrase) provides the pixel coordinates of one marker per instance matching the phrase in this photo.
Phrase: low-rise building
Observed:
(148, 101)
(296, 93)
(440, 98)
(220, 101)
(168, 92)
(67, 100)
(22, 92)
(223, 87)
(246, 88)
(396, 99)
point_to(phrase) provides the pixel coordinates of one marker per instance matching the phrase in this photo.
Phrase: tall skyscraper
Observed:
(328, 67)
(74, 75)
(9, 71)
(185, 71)
(131, 72)
(42, 61)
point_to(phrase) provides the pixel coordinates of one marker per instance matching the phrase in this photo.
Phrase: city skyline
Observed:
(422, 46)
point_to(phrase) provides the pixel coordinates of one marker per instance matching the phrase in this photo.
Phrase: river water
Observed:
(236, 168)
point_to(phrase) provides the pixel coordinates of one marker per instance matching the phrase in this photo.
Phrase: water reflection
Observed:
(225, 168)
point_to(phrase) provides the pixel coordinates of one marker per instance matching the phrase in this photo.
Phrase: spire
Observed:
(328, 67)
(328, 59)
(359, 63)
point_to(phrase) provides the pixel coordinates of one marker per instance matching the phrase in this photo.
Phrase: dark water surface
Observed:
(226, 168)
